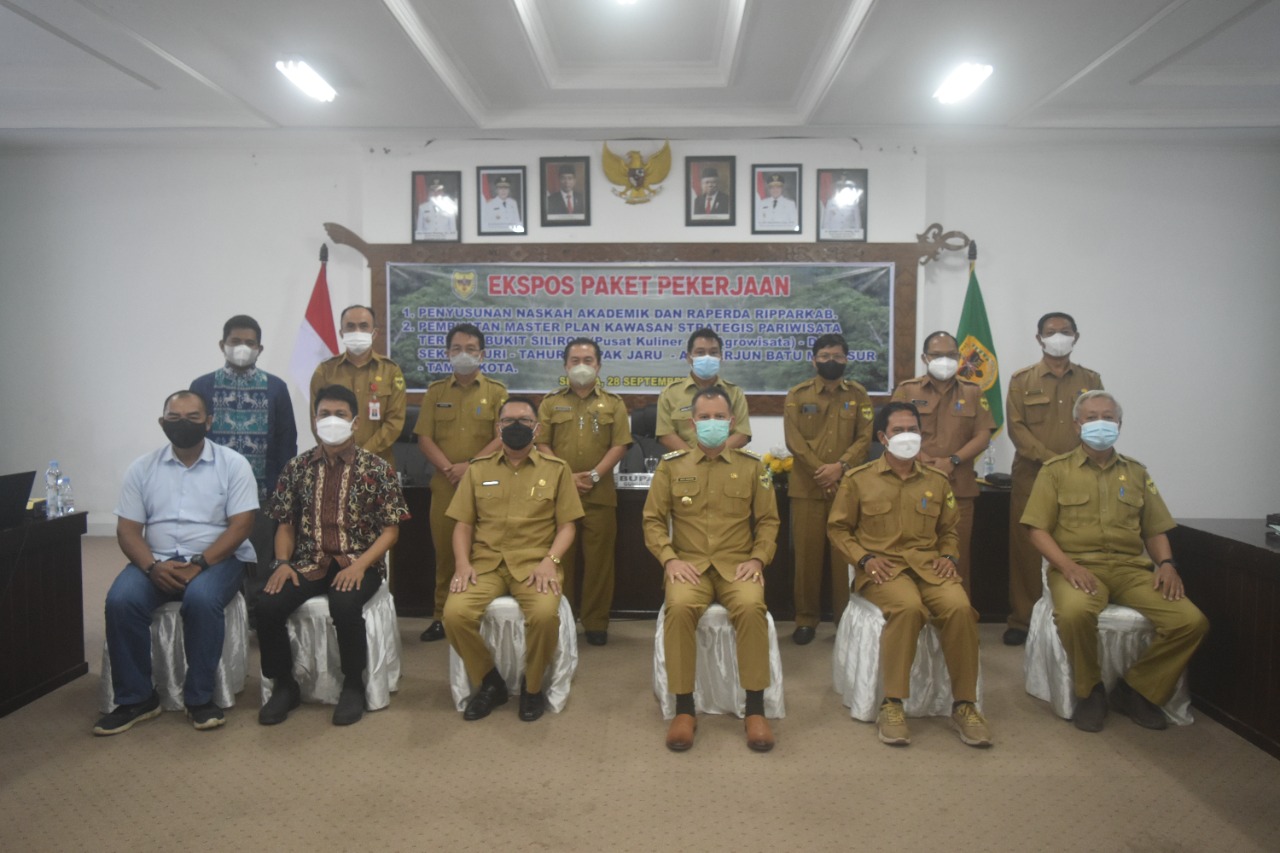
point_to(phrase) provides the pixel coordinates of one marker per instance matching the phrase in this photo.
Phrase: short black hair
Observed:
(524, 401)
(938, 334)
(341, 393)
(372, 313)
(704, 332)
(1052, 315)
(882, 416)
(580, 342)
(830, 339)
(465, 329)
(204, 404)
(710, 394)
(241, 321)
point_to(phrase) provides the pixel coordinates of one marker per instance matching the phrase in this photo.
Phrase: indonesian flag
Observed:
(317, 339)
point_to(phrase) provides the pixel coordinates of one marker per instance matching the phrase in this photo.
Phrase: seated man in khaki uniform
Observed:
(514, 511)
(1091, 513)
(698, 523)
(895, 519)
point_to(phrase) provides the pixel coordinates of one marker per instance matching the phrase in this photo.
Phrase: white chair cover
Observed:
(317, 666)
(1123, 635)
(716, 689)
(169, 659)
(502, 628)
(855, 666)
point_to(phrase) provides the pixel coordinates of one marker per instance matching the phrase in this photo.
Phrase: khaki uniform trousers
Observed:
(1024, 558)
(442, 492)
(812, 550)
(964, 529)
(1180, 626)
(598, 534)
(541, 610)
(906, 602)
(685, 605)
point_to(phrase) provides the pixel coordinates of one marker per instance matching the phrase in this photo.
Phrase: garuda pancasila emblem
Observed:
(637, 178)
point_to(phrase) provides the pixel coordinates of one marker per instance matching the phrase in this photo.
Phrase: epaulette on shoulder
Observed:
(1131, 460)
(486, 456)
(1018, 373)
(751, 453)
(1060, 457)
(936, 471)
(864, 466)
(675, 454)
(437, 382)
(914, 380)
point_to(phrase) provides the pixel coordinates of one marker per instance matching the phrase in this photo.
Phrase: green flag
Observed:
(978, 352)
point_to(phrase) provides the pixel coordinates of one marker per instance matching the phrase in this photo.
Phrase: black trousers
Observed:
(346, 608)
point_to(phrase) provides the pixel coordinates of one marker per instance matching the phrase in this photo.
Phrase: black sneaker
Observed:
(1091, 711)
(124, 716)
(286, 696)
(350, 706)
(1137, 707)
(205, 717)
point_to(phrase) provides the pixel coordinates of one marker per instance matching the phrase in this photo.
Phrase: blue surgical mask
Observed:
(706, 366)
(712, 433)
(1100, 435)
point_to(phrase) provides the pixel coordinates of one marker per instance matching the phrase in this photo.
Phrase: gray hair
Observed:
(1096, 395)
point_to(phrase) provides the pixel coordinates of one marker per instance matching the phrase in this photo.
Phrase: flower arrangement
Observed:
(778, 460)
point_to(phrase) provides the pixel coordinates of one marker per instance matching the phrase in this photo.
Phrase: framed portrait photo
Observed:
(709, 191)
(500, 196)
(566, 191)
(436, 197)
(776, 191)
(842, 205)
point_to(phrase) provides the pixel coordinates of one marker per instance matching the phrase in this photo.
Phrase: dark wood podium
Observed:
(41, 609)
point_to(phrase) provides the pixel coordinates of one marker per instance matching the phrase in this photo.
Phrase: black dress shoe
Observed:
(597, 638)
(350, 706)
(484, 700)
(286, 696)
(803, 635)
(531, 704)
(1091, 711)
(435, 631)
(1015, 637)
(1137, 707)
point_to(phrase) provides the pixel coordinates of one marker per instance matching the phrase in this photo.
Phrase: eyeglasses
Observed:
(506, 422)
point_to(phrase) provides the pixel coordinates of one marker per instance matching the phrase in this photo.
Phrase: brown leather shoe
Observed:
(759, 735)
(680, 734)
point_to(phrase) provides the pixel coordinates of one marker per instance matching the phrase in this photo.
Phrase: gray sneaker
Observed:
(124, 717)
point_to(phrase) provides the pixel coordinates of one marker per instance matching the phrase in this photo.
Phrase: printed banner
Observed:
(641, 315)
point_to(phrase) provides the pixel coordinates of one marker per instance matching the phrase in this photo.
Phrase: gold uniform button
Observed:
(686, 500)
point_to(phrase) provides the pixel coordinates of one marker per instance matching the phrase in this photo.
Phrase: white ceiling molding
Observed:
(435, 56)
(823, 73)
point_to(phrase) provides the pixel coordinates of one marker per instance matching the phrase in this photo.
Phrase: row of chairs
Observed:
(1124, 635)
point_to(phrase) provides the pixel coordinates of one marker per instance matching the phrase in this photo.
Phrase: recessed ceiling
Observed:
(598, 69)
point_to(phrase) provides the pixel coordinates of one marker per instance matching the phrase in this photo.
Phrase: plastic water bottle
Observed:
(988, 462)
(66, 500)
(51, 476)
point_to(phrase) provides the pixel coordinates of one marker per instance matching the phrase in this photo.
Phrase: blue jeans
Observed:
(130, 603)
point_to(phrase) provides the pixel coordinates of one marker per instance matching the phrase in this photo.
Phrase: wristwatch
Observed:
(595, 475)
(275, 564)
(199, 560)
(862, 564)
(553, 558)
(955, 461)
(1168, 560)
(953, 560)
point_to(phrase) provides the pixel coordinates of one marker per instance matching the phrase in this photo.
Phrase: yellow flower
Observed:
(788, 463)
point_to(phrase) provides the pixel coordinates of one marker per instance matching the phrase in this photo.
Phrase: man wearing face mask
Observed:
(675, 427)
(515, 511)
(339, 509)
(1038, 414)
(895, 520)
(455, 425)
(183, 519)
(588, 427)
(698, 522)
(375, 380)
(253, 415)
(955, 427)
(827, 424)
(1092, 513)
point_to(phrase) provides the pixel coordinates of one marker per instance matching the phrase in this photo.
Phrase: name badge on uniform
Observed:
(375, 410)
(564, 408)
(686, 479)
(489, 483)
(685, 408)
(809, 409)
(444, 405)
(919, 403)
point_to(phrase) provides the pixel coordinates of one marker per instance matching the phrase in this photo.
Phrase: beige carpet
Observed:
(415, 776)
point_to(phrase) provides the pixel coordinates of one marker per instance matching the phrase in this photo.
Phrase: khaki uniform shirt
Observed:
(824, 426)
(581, 430)
(515, 511)
(710, 503)
(460, 418)
(911, 521)
(951, 414)
(1100, 515)
(1038, 409)
(675, 408)
(380, 380)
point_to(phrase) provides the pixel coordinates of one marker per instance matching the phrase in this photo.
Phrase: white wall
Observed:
(118, 267)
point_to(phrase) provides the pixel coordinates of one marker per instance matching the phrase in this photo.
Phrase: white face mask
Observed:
(464, 363)
(582, 375)
(1058, 345)
(943, 369)
(334, 430)
(904, 445)
(240, 355)
(357, 343)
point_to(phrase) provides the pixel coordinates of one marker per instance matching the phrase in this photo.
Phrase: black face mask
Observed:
(184, 434)
(517, 436)
(830, 370)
